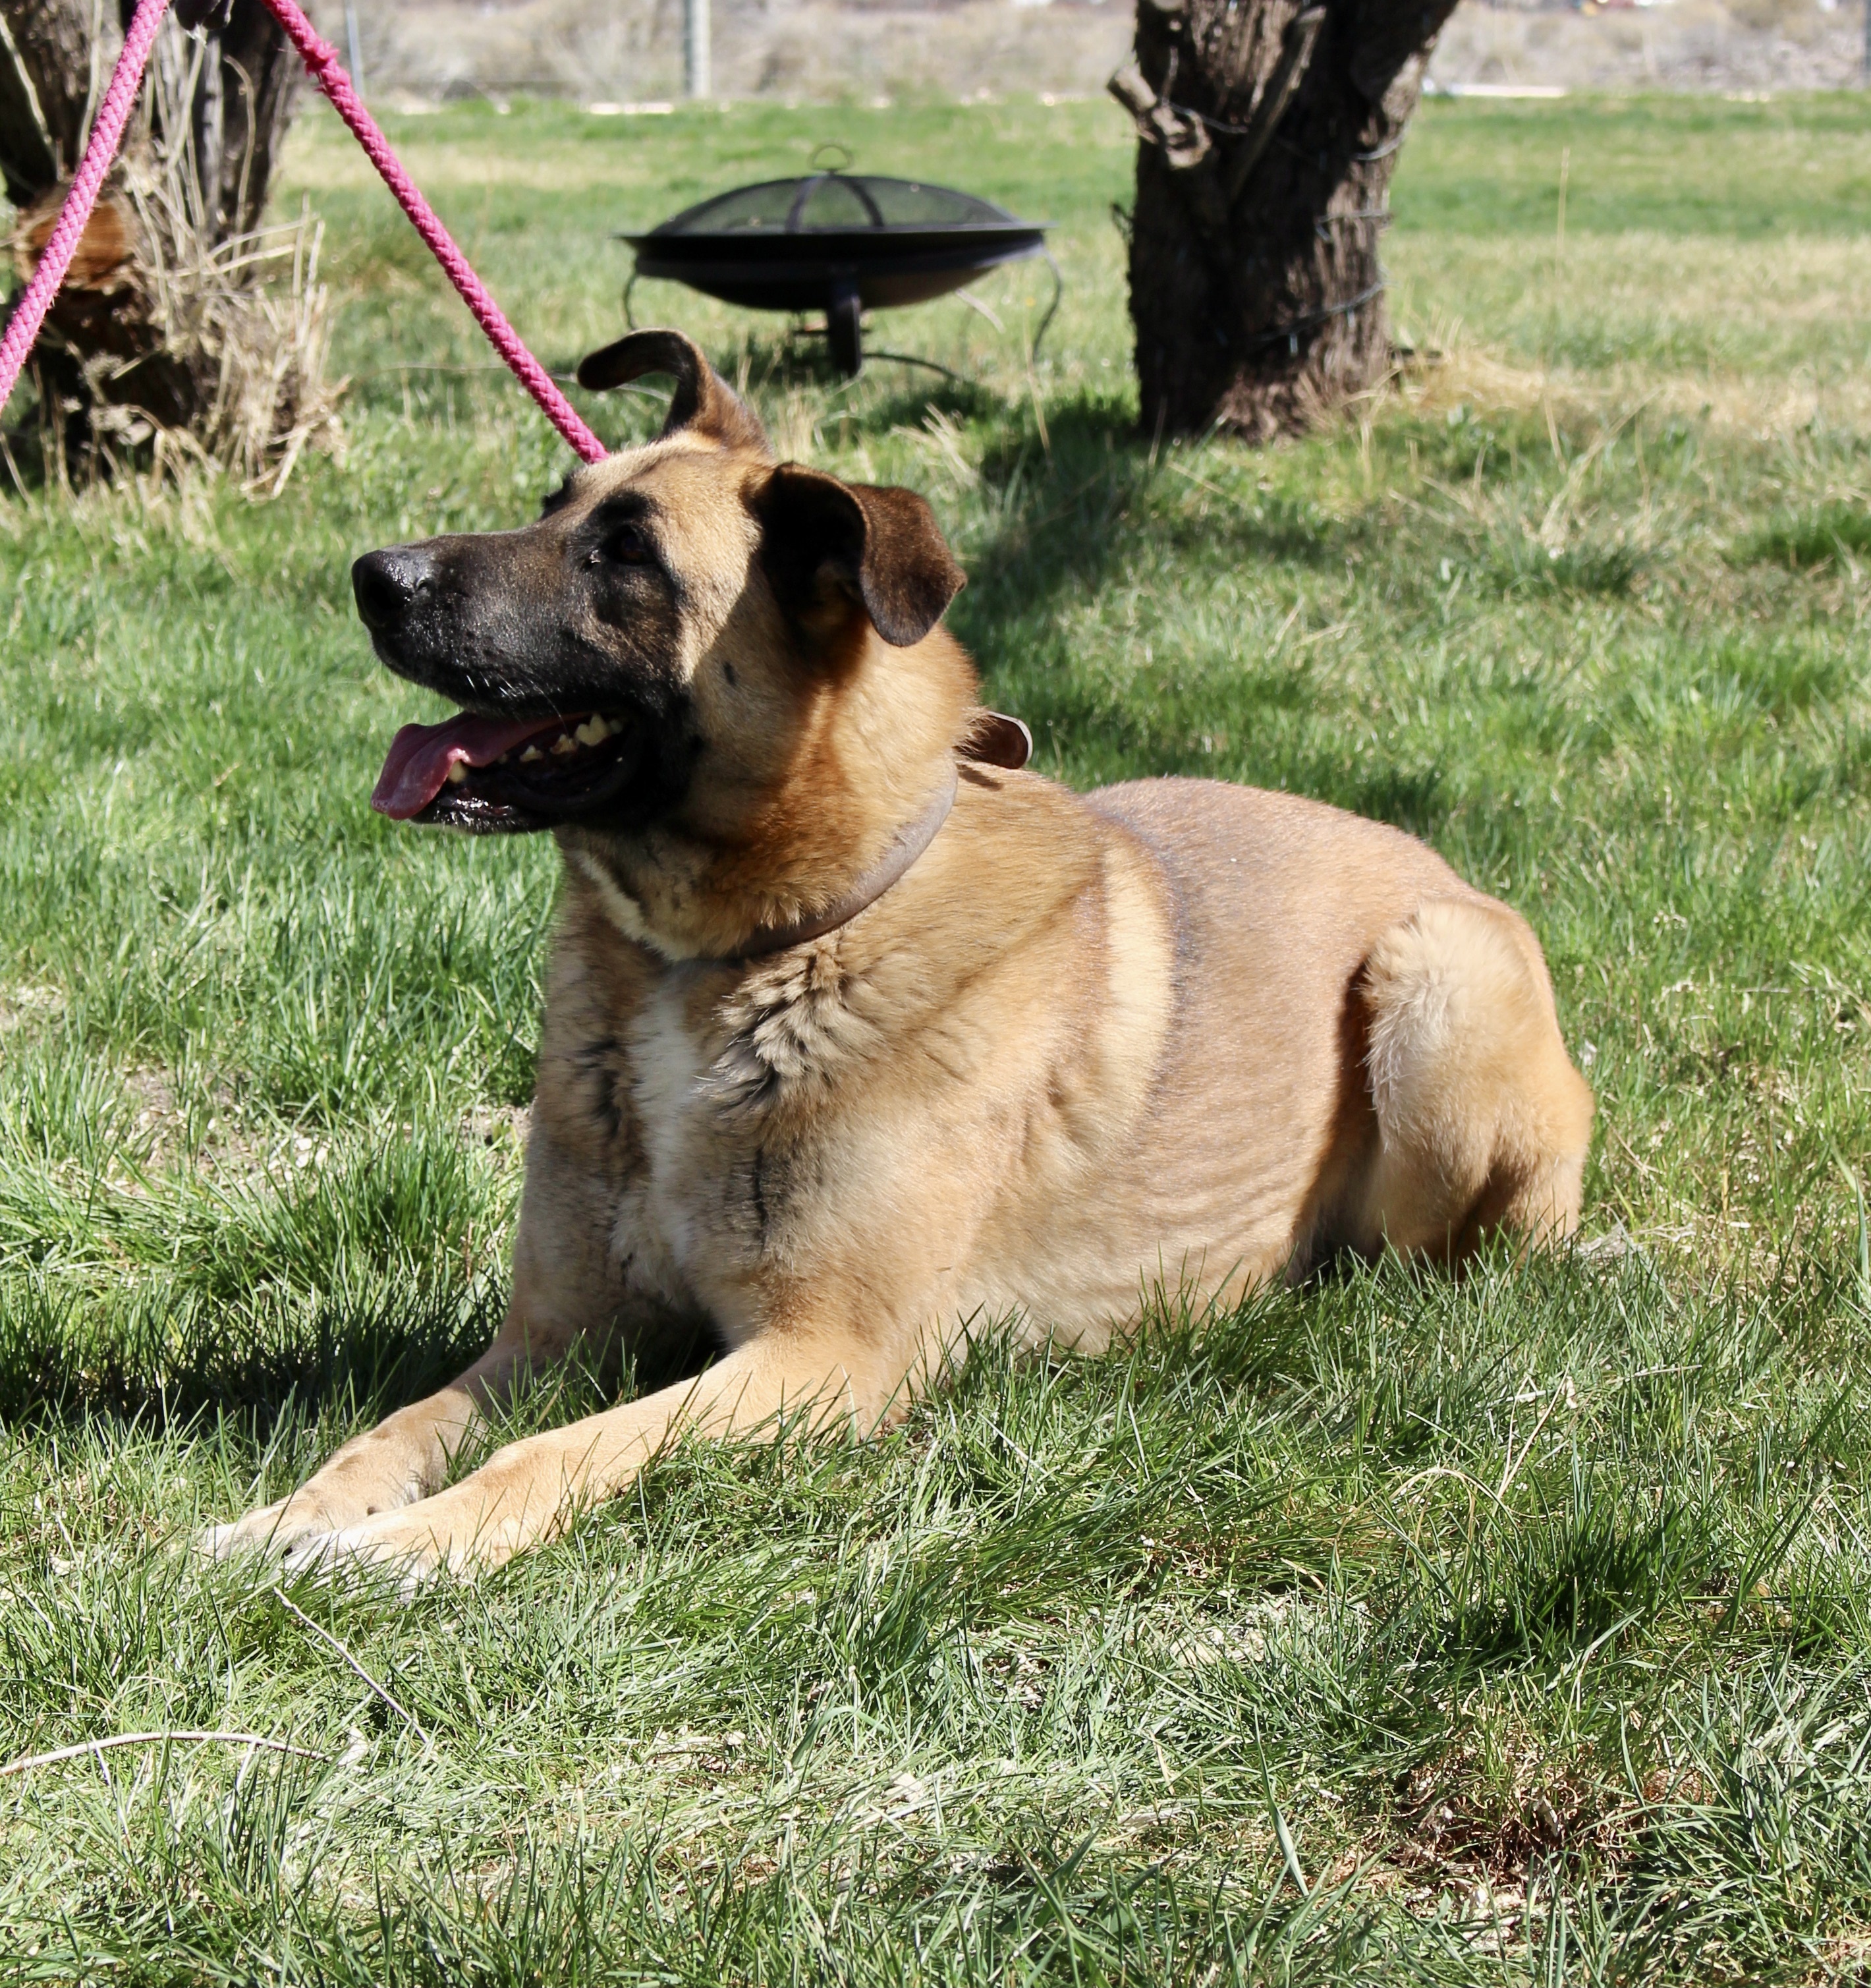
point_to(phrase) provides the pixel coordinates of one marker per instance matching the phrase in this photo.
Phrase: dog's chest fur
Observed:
(720, 1091)
(929, 1122)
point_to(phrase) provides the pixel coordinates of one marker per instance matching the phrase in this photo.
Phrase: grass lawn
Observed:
(1394, 1630)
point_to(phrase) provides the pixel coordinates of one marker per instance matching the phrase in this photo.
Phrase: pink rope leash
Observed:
(321, 58)
(107, 134)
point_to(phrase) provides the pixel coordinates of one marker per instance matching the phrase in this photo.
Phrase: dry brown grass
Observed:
(252, 314)
(1665, 300)
(181, 344)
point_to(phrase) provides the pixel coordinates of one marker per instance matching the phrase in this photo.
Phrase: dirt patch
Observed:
(164, 1133)
(25, 1008)
(1486, 1844)
(498, 1126)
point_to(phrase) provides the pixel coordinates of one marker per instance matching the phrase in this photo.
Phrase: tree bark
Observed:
(1268, 132)
(162, 326)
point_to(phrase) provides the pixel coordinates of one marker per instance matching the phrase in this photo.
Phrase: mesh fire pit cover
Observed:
(832, 202)
(835, 242)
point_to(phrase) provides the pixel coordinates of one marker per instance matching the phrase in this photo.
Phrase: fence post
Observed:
(695, 39)
(356, 48)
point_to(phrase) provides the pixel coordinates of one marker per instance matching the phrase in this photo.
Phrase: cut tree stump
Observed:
(1268, 132)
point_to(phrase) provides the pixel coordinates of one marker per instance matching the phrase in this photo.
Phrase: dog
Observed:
(858, 1037)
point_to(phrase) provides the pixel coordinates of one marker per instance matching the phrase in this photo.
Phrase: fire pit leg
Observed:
(844, 328)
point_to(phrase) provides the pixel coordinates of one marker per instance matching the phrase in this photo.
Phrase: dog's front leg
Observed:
(568, 1292)
(528, 1491)
(402, 1459)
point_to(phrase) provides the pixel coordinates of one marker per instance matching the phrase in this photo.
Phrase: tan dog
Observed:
(856, 1044)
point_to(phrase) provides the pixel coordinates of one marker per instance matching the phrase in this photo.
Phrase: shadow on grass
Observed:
(800, 358)
(1085, 501)
(167, 1359)
(163, 1361)
(1803, 540)
(1086, 506)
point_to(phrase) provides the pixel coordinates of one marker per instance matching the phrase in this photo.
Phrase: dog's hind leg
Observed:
(1483, 1123)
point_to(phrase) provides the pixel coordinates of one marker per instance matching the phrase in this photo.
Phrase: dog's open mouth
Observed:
(505, 773)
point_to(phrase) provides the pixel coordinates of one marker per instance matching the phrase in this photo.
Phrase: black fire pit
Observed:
(842, 242)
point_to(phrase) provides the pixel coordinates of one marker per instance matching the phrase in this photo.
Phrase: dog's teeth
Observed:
(563, 744)
(532, 753)
(457, 771)
(593, 732)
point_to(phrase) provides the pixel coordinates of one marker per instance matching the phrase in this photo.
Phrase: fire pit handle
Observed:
(796, 215)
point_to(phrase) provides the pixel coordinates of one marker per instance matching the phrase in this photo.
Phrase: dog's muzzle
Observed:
(493, 769)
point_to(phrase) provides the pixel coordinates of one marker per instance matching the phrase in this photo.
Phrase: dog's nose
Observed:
(388, 583)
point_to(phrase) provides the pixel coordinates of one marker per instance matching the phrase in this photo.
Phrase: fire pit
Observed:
(844, 242)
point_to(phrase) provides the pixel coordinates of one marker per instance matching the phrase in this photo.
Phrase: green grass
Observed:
(1517, 1630)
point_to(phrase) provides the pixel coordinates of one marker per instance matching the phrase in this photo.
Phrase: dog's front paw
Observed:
(270, 1529)
(364, 1552)
(454, 1530)
(367, 1479)
(323, 1505)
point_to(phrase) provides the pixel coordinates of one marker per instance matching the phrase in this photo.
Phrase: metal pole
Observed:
(357, 46)
(695, 40)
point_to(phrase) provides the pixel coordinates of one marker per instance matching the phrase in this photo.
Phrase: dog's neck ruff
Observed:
(997, 741)
(888, 869)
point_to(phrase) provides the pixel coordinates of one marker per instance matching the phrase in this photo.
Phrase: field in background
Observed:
(1395, 1630)
(1712, 44)
(629, 51)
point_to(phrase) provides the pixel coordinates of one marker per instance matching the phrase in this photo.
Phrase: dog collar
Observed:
(996, 741)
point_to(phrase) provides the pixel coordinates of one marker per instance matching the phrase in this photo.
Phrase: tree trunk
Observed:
(1268, 131)
(167, 327)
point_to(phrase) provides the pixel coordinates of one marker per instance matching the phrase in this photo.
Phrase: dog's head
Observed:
(658, 642)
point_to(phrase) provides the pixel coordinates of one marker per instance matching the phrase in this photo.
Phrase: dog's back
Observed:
(1277, 901)
(1300, 942)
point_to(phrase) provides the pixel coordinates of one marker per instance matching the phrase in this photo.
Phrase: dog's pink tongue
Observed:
(416, 769)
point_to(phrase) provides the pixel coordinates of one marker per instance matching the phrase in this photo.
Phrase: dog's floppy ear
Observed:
(703, 400)
(881, 545)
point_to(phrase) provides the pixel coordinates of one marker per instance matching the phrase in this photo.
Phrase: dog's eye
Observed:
(628, 545)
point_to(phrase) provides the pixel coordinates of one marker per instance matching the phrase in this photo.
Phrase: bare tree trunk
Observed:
(166, 327)
(1268, 131)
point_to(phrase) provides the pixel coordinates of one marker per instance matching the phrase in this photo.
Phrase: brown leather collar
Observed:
(995, 740)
